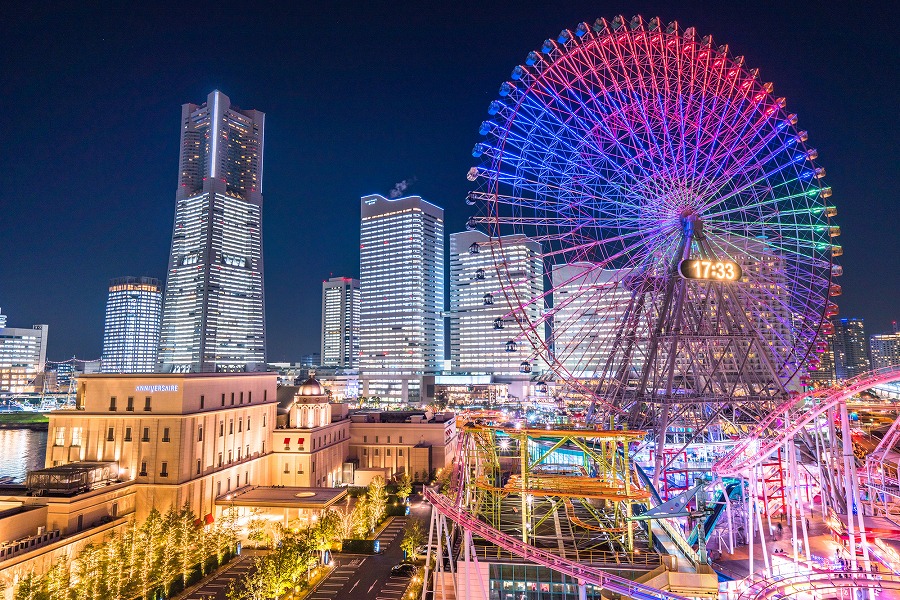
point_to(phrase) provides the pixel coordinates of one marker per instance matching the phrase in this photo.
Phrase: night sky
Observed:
(357, 97)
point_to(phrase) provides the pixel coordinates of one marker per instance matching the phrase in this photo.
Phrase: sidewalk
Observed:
(215, 585)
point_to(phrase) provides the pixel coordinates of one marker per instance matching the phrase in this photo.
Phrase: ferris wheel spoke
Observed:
(603, 151)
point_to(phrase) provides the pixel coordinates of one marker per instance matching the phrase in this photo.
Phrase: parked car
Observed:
(403, 570)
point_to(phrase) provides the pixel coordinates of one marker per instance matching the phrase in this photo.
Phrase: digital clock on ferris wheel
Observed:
(710, 270)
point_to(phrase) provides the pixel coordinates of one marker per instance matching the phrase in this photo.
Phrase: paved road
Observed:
(217, 586)
(358, 577)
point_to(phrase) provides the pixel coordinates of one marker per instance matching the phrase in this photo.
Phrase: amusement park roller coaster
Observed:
(688, 269)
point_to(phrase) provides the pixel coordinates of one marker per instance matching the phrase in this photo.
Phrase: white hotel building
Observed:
(214, 314)
(402, 297)
(483, 305)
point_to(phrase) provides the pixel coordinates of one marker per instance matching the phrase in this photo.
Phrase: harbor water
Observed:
(21, 450)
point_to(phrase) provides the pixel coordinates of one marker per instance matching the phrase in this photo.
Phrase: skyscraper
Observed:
(885, 348)
(590, 306)
(478, 298)
(340, 322)
(851, 355)
(131, 331)
(402, 297)
(214, 311)
(23, 353)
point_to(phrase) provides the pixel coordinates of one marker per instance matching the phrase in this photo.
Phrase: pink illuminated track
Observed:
(801, 411)
(581, 572)
(821, 582)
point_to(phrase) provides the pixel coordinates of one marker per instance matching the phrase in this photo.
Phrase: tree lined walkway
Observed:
(215, 587)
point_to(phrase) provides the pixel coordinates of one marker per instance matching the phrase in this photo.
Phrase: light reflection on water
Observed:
(21, 450)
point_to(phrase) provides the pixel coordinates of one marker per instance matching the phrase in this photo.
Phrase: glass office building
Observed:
(214, 312)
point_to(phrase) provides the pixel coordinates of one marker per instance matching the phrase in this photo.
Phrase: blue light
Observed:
(486, 127)
(518, 73)
(533, 58)
(495, 107)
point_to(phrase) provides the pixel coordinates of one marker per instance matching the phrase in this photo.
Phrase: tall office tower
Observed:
(214, 311)
(340, 322)
(481, 319)
(851, 355)
(590, 305)
(885, 349)
(401, 327)
(23, 353)
(131, 332)
(825, 374)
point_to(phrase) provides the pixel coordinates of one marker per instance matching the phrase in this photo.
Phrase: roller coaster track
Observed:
(816, 584)
(580, 572)
(801, 410)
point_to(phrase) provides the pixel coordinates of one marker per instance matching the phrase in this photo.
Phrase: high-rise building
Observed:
(401, 335)
(851, 355)
(885, 348)
(590, 305)
(340, 322)
(214, 312)
(131, 331)
(482, 319)
(23, 353)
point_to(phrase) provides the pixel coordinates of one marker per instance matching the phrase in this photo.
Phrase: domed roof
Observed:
(311, 387)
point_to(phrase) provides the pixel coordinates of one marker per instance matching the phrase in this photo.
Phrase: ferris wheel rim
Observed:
(823, 263)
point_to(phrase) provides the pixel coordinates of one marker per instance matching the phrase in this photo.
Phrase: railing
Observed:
(774, 587)
(577, 570)
(609, 560)
(743, 456)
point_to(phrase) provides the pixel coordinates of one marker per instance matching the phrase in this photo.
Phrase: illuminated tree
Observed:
(413, 537)
(376, 497)
(404, 486)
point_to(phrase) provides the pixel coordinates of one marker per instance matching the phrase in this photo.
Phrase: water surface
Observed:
(21, 450)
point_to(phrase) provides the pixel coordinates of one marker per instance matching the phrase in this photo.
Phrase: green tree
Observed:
(31, 587)
(360, 518)
(404, 486)
(326, 532)
(376, 497)
(413, 537)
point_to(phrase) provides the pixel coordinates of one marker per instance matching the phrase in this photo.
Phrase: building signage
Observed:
(156, 388)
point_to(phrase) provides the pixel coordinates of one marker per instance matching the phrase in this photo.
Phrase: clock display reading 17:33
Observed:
(712, 270)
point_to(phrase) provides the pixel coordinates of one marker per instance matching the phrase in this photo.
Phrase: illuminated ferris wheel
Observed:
(686, 240)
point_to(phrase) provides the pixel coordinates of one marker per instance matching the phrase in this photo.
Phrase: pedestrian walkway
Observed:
(215, 586)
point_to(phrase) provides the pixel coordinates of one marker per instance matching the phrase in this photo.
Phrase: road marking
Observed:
(370, 587)
(354, 586)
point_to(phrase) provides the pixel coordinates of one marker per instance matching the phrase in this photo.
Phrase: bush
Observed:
(358, 546)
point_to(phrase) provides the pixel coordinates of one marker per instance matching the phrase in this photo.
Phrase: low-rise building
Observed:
(415, 442)
(182, 438)
(311, 440)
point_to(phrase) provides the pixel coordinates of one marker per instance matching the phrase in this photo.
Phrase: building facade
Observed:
(396, 442)
(484, 304)
(589, 307)
(340, 322)
(402, 297)
(851, 356)
(23, 353)
(885, 350)
(131, 329)
(311, 442)
(214, 312)
(180, 438)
